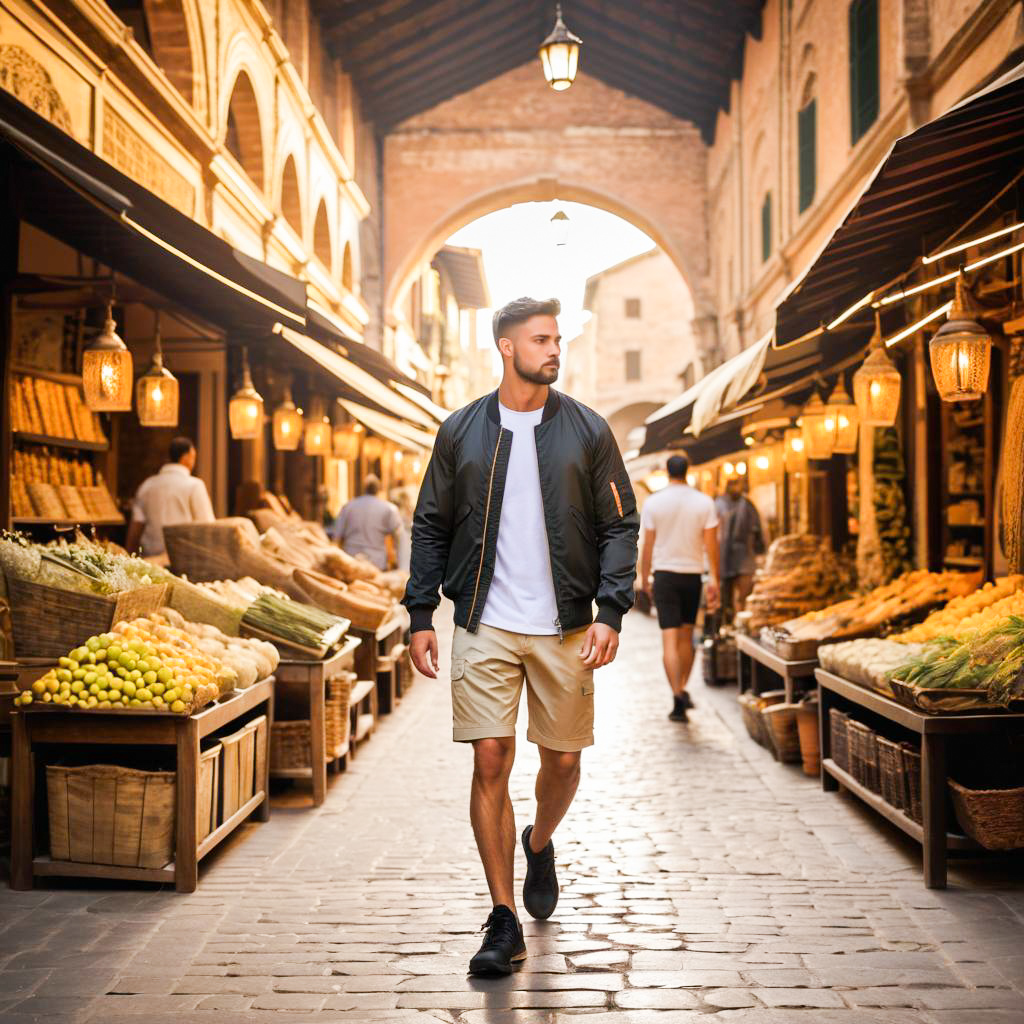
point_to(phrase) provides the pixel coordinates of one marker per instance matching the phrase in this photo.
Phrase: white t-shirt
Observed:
(521, 597)
(679, 515)
(167, 498)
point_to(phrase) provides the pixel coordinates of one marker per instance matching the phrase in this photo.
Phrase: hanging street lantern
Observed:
(560, 54)
(317, 437)
(345, 442)
(876, 385)
(846, 421)
(107, 370)
(961, 351)
(560, 227)
(287, 424)
(818, 429)
(156, 391)
(794, 457)
(373, 448)
(245, 410)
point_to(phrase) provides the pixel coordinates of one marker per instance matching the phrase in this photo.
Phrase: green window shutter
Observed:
(806, 130)
(766, 227)
(863, 24)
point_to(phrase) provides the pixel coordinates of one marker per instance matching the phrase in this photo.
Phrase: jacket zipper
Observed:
(487, 515)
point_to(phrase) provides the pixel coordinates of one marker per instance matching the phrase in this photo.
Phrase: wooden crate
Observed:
(244, 761)
(208, 787)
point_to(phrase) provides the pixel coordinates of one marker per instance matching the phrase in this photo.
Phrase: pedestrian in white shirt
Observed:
(168, 498)
(678, 525)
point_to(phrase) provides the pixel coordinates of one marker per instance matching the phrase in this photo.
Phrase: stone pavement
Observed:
(700, 881)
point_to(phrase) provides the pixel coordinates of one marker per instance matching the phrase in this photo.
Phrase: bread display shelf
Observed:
(60, 442)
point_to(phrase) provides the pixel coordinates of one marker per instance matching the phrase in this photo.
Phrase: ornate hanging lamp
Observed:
(845, 419)
(107, 370)
(876, 385)
(961, 351)
(156, 391)
(818, 429)
(794, 458)
(317, 438)
(245, 410)
(560, 54)
(373, 448)
(345, 442)
(287, 424)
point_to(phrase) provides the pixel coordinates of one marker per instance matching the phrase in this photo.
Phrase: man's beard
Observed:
(545, 375)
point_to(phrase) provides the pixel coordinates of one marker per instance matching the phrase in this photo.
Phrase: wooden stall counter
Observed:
(758, 668)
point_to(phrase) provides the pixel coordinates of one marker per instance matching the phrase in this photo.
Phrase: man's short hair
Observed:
(518, 311)
(677, 466)
(371, 485)
(179, 448)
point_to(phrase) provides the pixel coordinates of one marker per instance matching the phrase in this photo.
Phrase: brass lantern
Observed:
(794, 456)
(107, 370)
(245, 410)
(845, 418)
(373, 448)
(156, 391)
(876, 386)
(318, 437)
(287, 424)
(960, 351)
(346, 442)
(818, 429)
(560, 54)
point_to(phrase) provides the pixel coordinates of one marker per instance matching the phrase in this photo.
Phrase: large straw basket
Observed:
(912, 781)
(336, 716)
(839, 738)
(751, 706)
(783, 735)
(890, 772)
(47, 622)
(105, 814)
(994, 818)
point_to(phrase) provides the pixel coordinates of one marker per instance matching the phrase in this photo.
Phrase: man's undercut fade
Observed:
(518, 311)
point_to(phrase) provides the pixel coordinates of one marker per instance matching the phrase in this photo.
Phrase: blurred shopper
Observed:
(526, 516)
(365, 523)
(741, 541)
(679, 526)
(168, 498)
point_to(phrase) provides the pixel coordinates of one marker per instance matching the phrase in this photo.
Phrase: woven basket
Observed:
(105, 814)
(751, 706)
(994, 818)
(912, 781)
(839, 738)
(47, 622)
(890, 772)
(290, 747)
(863, 755)
(783, 734)
(336, 716)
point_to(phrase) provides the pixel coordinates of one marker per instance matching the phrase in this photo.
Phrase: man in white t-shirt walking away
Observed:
(678, 526)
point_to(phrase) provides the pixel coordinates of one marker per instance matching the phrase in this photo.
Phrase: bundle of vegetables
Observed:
(293, 622)
(976, 610)
(870, 662)
(991, 660)
(138, 664)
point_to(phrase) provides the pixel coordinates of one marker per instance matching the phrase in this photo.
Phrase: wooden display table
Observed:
(935, 731)
(377, 644)
(36, 727)
(756, 664)
(312, 676)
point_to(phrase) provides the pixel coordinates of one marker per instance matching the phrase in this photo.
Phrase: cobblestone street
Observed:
(698, 878)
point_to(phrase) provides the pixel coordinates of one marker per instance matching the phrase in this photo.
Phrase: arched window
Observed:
(160, 28)
(243, 138)
(291, 198)
(322, 236)
(346, 267)
(807, 146)
(863, 16)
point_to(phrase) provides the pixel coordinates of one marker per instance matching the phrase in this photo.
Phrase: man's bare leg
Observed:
(670, 657)
(492, 817)
(684, 651)
(557, 781)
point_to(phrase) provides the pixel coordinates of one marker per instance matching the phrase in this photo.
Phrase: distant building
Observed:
(638, 349)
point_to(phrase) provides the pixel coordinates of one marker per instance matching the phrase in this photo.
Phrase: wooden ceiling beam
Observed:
(619, 78)
(351, 14)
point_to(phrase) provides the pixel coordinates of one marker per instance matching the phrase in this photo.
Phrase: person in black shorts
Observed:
(679, 526)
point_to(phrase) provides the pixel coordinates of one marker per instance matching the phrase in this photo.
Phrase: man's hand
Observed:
(423, 649)
(600, 645)
(712, 595)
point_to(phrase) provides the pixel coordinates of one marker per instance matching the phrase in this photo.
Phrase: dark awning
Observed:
(69, 192)
(465, 267)
(931, 183)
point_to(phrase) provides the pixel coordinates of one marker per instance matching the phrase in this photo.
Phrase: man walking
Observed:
(679, 525)
(365, 523)
(741, 541)
(526, 517)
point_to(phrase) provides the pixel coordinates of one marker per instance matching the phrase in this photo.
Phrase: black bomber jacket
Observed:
(589, 510)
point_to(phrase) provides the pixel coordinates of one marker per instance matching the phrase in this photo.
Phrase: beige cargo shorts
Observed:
(488, 671)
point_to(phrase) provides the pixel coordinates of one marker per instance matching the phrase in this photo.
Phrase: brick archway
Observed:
(243, 130)
(172, 45)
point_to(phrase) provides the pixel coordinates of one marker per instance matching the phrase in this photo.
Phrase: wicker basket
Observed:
(807, 717)
(890, 772)
(336, 716)
(290, 747)
(994, 818)
(206, 797)
(106, 814)
(783, 734)
(839, 738)
(47, 622)
(912, 781)
(863, 755)
(751, 706)
(244, 760)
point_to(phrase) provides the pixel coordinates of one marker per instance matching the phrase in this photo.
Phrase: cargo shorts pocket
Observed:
(458, 668)
(587, 684)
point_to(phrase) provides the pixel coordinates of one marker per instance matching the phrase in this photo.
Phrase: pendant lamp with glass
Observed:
(107, 370)
(818, 429)
(373, 448)
(961, 352)
(845, 418)
(794, 456)
(560, 54)
(287, 424)
(345, 442)
(876, 385)
(245, 410)
(317, 438)
(156, 391)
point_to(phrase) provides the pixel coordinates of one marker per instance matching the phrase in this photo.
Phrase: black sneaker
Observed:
(687, 701)
(678, 712)
(540, 888)
(503, 944)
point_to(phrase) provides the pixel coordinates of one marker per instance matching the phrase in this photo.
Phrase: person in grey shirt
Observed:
(365, 523)
(741, 540)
